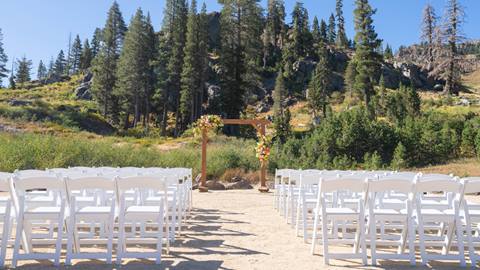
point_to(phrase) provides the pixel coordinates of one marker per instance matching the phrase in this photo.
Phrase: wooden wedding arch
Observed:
(259, 124)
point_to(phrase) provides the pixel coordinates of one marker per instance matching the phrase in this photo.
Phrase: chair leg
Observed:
(411, 240)
(18, 237)
(363, 243)
(421, 236)
(315, 231)
(461, 248)
(5, 237)
(70, 240)
(326, 259)
(121, 239)
(58, 245)
(373, 236)
(471, 249)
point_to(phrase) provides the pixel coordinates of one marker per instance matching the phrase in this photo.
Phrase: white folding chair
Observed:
(328, 215)
(31, 213)
(397, 215)
(97, 213)
(307, 200)
(155, 216)
(6, 216)
(472, 217)
(443, 219)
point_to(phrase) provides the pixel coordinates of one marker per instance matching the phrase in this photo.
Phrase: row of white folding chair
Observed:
(403, 217)
(99, 214)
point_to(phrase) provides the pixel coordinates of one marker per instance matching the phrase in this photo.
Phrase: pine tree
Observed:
(133, 84)
(24, 68)
(175, 25)
(342, 40)
(41, 71)
(429, 32)
(350, 78)
(332, 34)
(274, 33)
(75, 55)
(281, 121)
(454, 19)
(86, 56)
(413, 101)
(105, 64)
(321, 84)
(323, 31)
(240, 39)
(388, 53)
(60, 66)
(96, 42)
(399, 160)
(3, 60)
(300, 33)
(51, 68)
(316, 34)
(366, 55)
(193, 82)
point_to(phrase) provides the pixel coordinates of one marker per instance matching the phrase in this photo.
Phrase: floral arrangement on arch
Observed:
(207, 122)
(263, 148)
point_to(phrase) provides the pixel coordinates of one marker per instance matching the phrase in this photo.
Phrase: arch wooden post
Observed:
(203, 185)
(260, 125)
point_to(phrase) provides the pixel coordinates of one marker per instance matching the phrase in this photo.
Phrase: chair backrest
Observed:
(472, 184)
(141, 182)
(435, 176)
(48, 183)
(90, 182)
(309, 179)
(391, 183)
(4, 181)
(437, 185)
(351, 183)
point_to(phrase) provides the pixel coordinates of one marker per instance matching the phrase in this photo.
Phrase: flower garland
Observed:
(207, 122)
(263, 148)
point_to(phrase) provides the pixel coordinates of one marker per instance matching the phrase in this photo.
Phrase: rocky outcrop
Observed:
(241, 184)
(19, 102)
(84, 90)
(214, 185)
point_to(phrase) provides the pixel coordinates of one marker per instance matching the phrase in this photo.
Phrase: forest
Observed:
(247, 61)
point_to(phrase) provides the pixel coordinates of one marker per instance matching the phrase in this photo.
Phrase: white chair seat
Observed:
(437, 212)
(94, 210)
(341, 211)
(43, 211)
(390, 212)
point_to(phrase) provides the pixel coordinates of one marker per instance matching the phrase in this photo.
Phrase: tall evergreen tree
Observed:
(3, 60)
(274, 32)
(367, 59)
(105, 64)
(24, 68)
(281, 114)
(332, 32)
(41, 71)
(323, 31)
(388, 53)
(321, 84)
(342, 40)
(175, 27)
(316, 34)
(96, 42)
(194, 66)
(133, 83)
(240, 39)
(429, 33)
(86, 56)
(300, 34)
(75, 55)
(60, 66)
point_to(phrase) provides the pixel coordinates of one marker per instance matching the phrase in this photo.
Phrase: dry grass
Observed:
(460, 167)
(472, 81)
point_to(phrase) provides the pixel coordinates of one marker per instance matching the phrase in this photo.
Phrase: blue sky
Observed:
(40, 28)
